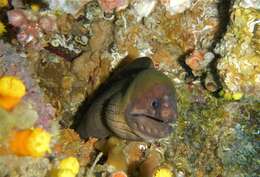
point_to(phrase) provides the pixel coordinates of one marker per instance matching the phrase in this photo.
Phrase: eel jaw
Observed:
(148, 127)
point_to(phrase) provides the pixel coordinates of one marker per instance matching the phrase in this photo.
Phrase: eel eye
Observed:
(156, 104)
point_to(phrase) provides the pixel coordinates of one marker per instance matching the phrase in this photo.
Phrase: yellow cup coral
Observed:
(35, 7)
(70, 163)
(68, 167)
(31, 142)
(11, 91)
(64, 173)
(2, 28)
(3, 3)
(231, 96)
(163, 172)
(237, 95)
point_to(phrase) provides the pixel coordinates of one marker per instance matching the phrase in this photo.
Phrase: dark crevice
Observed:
(115, 76)
(189, 75)
(224, 9)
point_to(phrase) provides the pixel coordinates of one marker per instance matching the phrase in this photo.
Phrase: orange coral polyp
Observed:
(195, 59)
(8, 102)
(118, 174)
(18, 142)
(30, 142)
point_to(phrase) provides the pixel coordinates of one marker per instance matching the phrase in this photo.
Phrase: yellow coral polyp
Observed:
(3, 3)
(228, 96)
(64, 173)
(163, 172)
(2, 28)
(12, 90)
(35, 7)
(11, 86)
(30, 142)
(71, 164)
(68, 167)
(231, 96)
(39, 142)
(237, 95)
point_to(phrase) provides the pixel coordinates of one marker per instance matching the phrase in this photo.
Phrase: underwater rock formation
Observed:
(239, 65)
(71, 7)
(175, 7)
(31, 27)
(23, 167)
(202, 46)
(110, 5)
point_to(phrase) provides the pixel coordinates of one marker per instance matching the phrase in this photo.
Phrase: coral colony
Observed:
(64, 63)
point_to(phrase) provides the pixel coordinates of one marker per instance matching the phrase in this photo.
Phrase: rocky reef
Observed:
(239, 50)
(55, 55)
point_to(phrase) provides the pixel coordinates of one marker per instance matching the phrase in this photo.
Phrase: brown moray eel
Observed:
(140, 104)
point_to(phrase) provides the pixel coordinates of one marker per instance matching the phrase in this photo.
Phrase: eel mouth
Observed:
(149, 127)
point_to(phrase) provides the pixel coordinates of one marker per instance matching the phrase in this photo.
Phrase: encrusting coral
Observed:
(239, 64)
(13, 64)
(110, 5)
(195, 43)
(31, 28)
(70, 144)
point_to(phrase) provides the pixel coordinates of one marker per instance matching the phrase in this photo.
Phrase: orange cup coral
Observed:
(195, 59)
(11, 91)
(30, 142)
(118, 174)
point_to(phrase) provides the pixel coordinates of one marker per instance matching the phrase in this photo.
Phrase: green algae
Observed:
(214, 137)
(239, 145)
